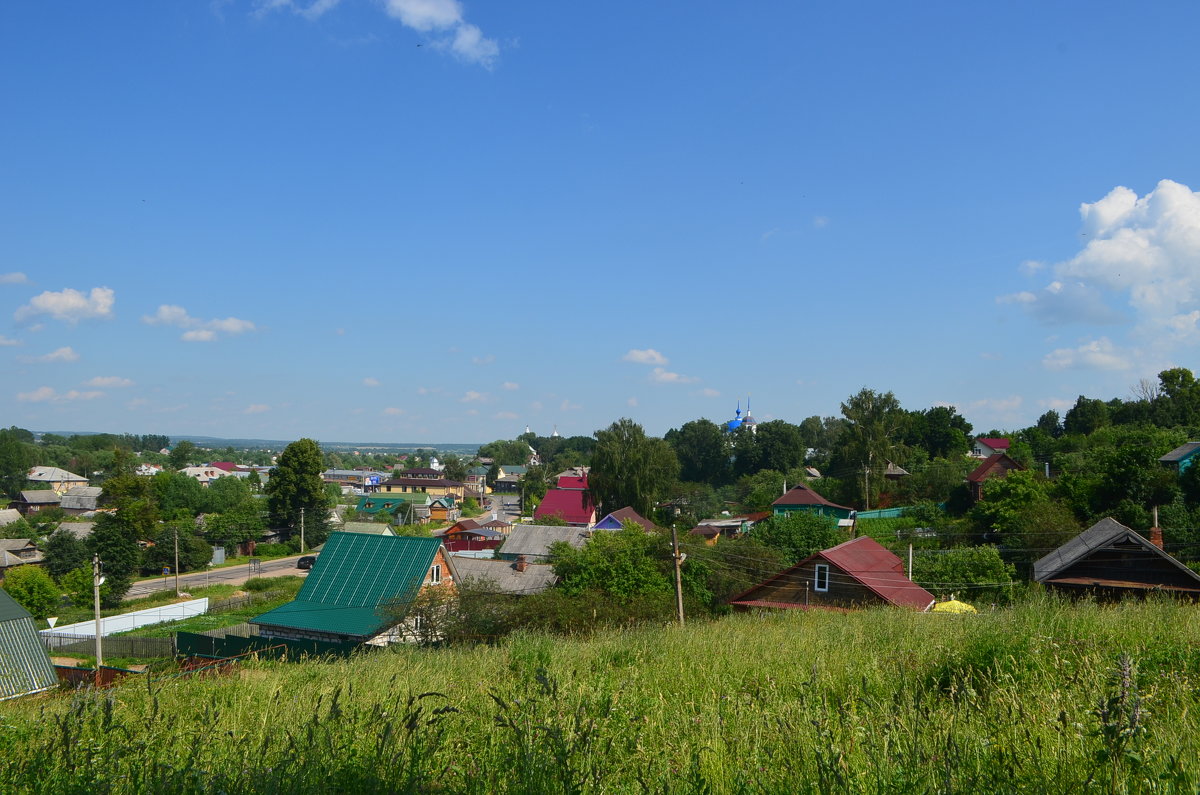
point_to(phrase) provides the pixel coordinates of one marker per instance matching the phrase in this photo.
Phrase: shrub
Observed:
(33, 589)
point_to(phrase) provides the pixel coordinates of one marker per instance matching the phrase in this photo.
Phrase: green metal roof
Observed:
(10, 609)
(24, 664)
(477, 471)
(389, 502)
(359, 586)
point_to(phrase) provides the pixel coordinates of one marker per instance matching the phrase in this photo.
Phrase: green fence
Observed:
(193, 644)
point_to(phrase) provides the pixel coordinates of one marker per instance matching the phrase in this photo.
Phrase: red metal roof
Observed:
(984, 470)
(801, 494)
(575, 507)
(994, 442)
(572, 482)
(420, 482)
(224, 466)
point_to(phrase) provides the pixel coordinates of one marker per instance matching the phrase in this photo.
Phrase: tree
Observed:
(623, 564)
(296, 486)
(78, 585)
(194, 552)
(630, 468)
(15, 460)
(941, 431)
(63, 552)
(182, 454)
(780, 444)
(454, 469)
(254, 481)
(1086, 417)
(970, 572)
(224, 494)
(874, 424)
(1050, 424)
(703, 452)
(798, 534)
(175, 492)
(115, 539)
(33, 589)
(243, 522)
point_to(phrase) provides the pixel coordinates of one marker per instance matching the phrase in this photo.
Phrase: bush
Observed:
(33, 589)
(276, 550)
(284, 583)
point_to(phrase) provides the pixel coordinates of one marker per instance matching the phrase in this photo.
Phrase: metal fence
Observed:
(243, 630)
(70, 645)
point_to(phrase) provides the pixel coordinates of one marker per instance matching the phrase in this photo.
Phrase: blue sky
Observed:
(433, 221)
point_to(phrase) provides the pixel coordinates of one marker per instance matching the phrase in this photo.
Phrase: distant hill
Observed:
(214, 442)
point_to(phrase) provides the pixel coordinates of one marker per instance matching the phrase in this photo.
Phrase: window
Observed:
(435, 574)
(821, 577)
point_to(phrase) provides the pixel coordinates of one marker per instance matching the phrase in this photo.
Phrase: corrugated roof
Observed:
(572, 506)
(41, 497)
(1104, 533)
(625, 514)
(1184, 451)
(801, 494)
(370, 528)
(980, 473)
(534, 540)
(8, 516)
(359, 586)
(24, 666)
(53, 475)
(995, 442)
(501, 576)
(576, 482)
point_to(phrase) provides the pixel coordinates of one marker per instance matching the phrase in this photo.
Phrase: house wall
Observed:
(798, 586)
(1133, 565)
(819, 510)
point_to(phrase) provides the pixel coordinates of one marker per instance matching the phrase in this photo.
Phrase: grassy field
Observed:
(1045, 697)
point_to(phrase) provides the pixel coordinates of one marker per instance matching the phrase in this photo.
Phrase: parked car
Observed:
(306, 562)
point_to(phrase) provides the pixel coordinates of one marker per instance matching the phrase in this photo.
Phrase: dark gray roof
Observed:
(1106, 532)
(8, 516)
(81, 498)
(40, 497)
(78, 529)
(534, 540)
(501, 576)
(1180, 453)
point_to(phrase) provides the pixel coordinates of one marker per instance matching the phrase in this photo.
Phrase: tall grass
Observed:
(1047, 696)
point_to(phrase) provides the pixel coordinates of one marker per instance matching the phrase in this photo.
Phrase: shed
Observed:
(997, 465)
(616, 519)
(802, 498)
(80, 499)
(503, 577)
(1181, 457)
(857, 573)
(534, 540)
(25, 666)
(1109, 559)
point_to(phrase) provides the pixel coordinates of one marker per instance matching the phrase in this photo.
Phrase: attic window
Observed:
(435, 574)
(821, 577)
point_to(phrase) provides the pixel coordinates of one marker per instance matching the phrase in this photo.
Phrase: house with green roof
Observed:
(362, 589)
(407, 508)
(25, 666)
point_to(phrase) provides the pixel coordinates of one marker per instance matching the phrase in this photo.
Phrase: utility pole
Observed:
(177, 560)
(910, 560)
(97, 581)
(678, 577)
(301, 531)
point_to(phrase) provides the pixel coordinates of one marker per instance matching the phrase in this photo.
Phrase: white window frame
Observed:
(435, 574)
(821, 574)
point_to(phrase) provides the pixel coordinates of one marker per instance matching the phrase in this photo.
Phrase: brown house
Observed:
(1110, 560)
(997, 465)
(857, 573)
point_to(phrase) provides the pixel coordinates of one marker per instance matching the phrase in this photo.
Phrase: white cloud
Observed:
(45, 394)
(648, 356)
(510, 385)
(472, 412)
(368, 381)
(70, 306)
(821, 221)
(15, 277)
(708, 392)
(1058, 404)
(505, 415)
(256, 408)
(536, 405)
(1141, 254)
(567, 405)
(392, 411)
(474, 397)
(109, 381)
(5, 342)
(1097, 354)
(999, 405)
(65, 354)
(632, 402)
(197, 330)
(660, 375)
(482, 360)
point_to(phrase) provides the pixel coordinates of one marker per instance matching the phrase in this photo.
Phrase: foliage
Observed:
(295, 486)
(15, 459)
(702, 448)
(873, 432)
(177, 493)
(114, 538)
(182, 454)
(78, 585)
(243, 522)
(470, 507)
(968, 573)
(63, 552)
(621, 564)
(33, 589)
(286, 582)
(630, 468)
(798, 534)
(194, 552)
(225, 494)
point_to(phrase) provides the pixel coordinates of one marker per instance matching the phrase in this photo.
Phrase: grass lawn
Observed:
(1047, 696)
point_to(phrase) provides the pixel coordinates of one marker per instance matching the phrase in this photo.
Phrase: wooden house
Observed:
(802, 498)
(1110, 560)
(858, 573)
(1181, 457)
(997, 465)
(617, 519)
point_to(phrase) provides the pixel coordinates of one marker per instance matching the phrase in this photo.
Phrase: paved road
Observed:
(230, 575)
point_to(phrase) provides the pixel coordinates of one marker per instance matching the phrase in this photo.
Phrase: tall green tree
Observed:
(182, 454)
(702, 448)
(115, 539)
(295, 485)
(64, 551)
(627, 563)
(1087, 416)
(798, 534)
(15, 459)
(875, 423)
(33, 589)
(630, 468)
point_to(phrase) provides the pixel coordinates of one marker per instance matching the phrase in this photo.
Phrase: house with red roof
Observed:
(802, 498)
(574, 507)
(986, 446)
(856, 574)
(996, 465)
(573, 482)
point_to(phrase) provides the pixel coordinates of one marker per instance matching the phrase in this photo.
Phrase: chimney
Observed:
(522, 563)
(1156, 531)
